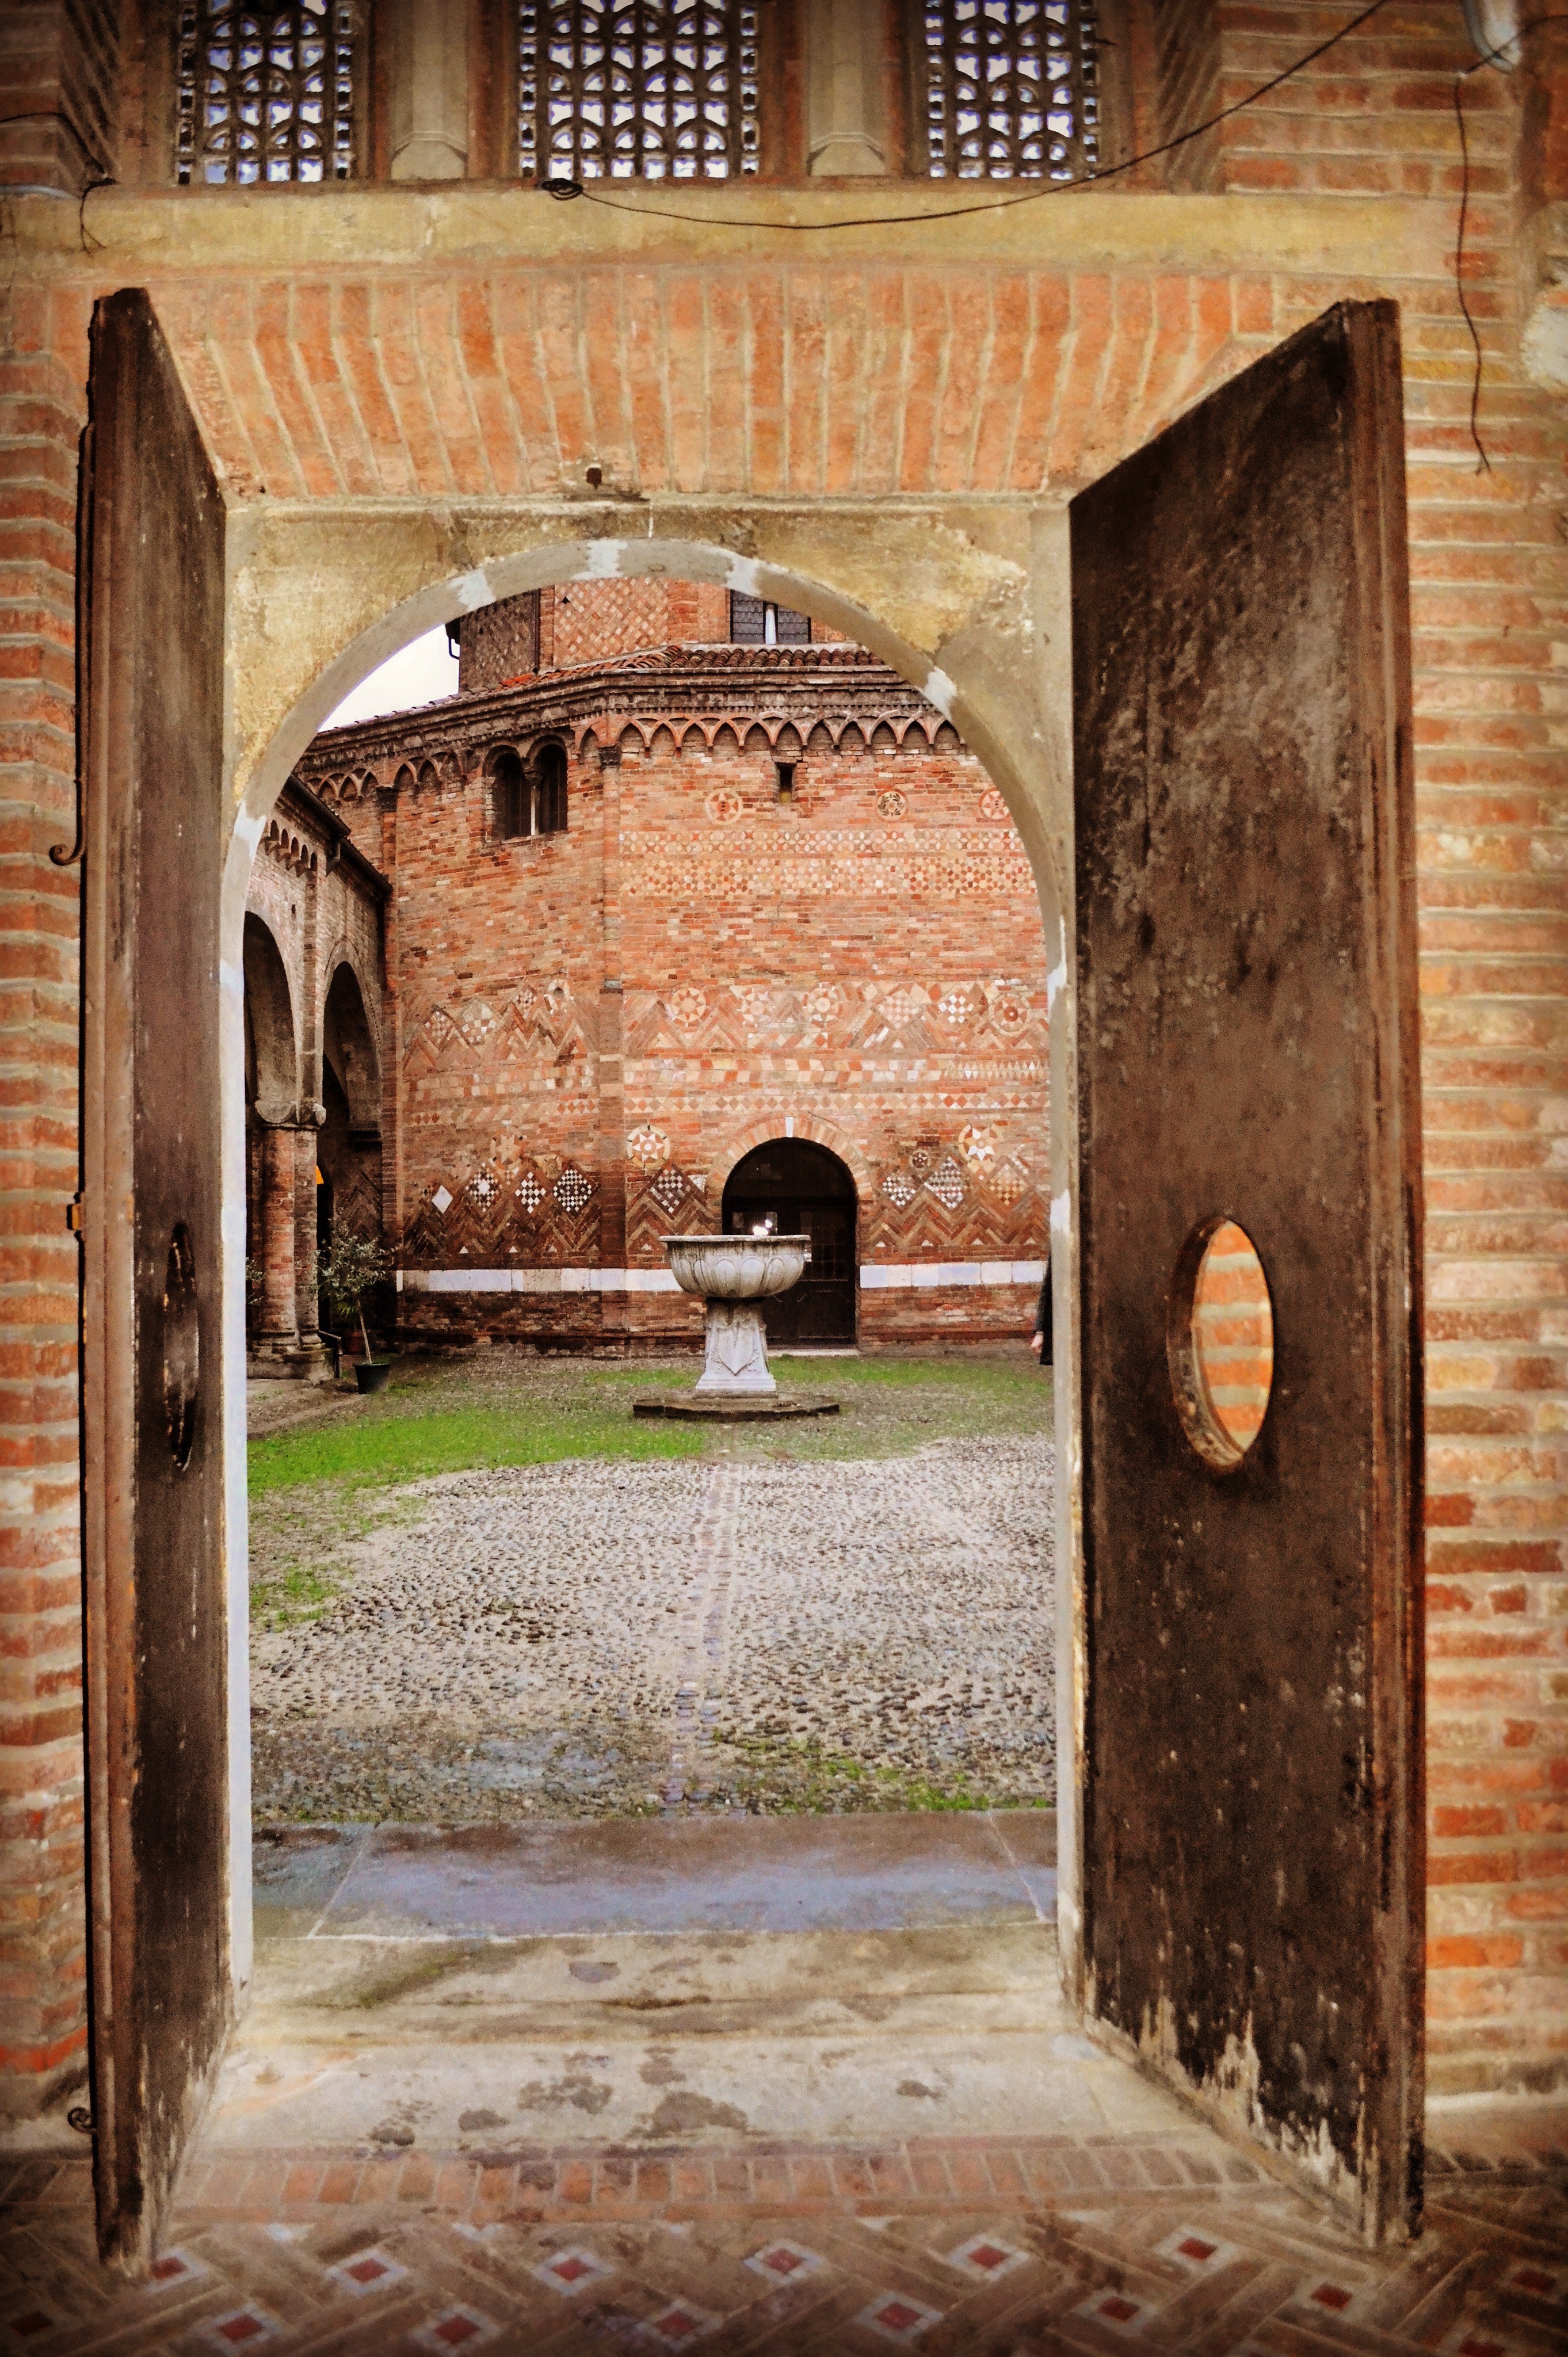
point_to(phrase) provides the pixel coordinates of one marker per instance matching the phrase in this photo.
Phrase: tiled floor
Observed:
(784, 2120)
(990, 2246)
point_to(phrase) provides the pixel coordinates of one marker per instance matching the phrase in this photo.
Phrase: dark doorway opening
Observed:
(804, 1190)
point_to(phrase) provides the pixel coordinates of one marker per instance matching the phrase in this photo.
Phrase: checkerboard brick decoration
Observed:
(879, 366)
(985, 2247)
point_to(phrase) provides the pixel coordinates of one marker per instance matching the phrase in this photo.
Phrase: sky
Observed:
(421, 673)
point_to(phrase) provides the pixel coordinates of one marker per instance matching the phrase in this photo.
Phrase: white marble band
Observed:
(875, 1276)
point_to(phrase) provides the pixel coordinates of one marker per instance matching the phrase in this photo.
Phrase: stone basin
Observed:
(732, 1274)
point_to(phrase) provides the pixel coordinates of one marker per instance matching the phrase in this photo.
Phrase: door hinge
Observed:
(73, 1215)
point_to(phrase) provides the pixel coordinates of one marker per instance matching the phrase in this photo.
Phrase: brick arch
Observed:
(807, 1129)
(271, 1019)
(466, 401)
(364, 1090)
(343, 954)
(960, 598)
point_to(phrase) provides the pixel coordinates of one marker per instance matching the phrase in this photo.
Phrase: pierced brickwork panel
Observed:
(1010, 90)
(645, 91)
(266, 95)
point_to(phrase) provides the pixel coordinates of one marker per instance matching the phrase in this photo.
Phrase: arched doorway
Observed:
(271, 1143)
(1192, 1861)
(804, 1190)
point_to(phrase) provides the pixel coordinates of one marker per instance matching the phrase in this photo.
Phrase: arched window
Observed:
(272, 97)
(759, 622)
(549, 789)
(508, 796)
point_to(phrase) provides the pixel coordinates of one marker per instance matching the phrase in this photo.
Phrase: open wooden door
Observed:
(152, 1395)
(1251, 1808)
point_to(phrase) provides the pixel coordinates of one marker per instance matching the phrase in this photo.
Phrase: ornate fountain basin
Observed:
(733, 1274)
(737, 1268)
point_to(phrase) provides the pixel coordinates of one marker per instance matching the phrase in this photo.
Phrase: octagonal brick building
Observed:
(695, 914)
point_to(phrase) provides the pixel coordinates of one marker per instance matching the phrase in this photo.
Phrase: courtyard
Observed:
(491, 1595)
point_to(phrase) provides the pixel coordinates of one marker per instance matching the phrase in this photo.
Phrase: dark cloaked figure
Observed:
(1040, 1341)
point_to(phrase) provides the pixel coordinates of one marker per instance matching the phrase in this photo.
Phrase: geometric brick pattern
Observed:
(1006, 2247)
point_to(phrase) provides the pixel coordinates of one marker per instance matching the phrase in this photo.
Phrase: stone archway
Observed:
(971, 610)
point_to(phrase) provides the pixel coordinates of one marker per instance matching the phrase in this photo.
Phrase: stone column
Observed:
(280, 1326)
(846, 134)
(429, 90)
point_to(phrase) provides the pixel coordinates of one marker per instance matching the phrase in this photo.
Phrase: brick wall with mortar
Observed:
(384, 365)
(42, 1914)
(863, 961)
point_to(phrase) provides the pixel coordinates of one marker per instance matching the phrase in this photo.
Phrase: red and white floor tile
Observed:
(1011, 2247)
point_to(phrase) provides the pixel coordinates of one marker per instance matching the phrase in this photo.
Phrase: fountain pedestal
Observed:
(735, 1276)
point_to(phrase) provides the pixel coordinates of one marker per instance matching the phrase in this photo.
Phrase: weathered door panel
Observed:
(1247, 1048)
(151, 1344)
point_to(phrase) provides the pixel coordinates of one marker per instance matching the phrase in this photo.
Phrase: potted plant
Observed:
(349, 1271)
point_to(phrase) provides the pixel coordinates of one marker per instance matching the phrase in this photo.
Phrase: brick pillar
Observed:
(43, 2016)
(613, 1307)
(306, 1298)
(280, 1323)
(61, 76)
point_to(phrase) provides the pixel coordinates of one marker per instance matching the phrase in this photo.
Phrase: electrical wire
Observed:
(101, 176)
(1483, 463)
(1488, 57)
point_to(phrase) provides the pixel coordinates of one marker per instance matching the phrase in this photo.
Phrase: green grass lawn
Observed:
(445, 1417)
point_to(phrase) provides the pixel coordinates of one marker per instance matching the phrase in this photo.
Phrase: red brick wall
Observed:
(59, 78)
(1373, 117)
(589, 619)
(860, 374)
(865, 961)
(42, 1919)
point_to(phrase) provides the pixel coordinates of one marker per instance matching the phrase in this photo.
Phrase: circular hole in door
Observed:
(182, 1346)
(1220, 1341)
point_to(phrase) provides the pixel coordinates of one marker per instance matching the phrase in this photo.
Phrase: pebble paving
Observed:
(603, 1639)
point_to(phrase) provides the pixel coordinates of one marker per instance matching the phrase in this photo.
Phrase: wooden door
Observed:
(1247, 1046)
(152, 1355)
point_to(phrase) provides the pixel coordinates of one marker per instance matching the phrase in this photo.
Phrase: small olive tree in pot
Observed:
(349, 1272)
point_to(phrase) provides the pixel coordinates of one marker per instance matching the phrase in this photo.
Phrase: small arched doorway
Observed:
(804, 1190)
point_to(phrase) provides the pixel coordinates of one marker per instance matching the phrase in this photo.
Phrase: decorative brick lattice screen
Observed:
(266, 94)
(645, 91)
(1010, 90)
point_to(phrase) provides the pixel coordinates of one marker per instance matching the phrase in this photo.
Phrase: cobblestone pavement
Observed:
(591, 1638)
(975, 2247)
